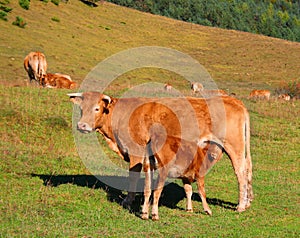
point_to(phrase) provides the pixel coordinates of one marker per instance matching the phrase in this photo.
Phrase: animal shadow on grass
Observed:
(171, 195)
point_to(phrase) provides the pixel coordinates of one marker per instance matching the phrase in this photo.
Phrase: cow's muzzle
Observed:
(84, 127)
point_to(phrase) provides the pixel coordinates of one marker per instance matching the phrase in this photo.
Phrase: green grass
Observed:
(46, 190)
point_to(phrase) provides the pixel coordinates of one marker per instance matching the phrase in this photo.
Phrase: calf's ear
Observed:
(75, 98)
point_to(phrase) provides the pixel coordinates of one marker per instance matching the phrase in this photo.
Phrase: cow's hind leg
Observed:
(240, 168)
(147, 189)
(163, 173)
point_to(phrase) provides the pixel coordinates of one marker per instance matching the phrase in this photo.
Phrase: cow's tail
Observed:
(247, 135)
(250, 195)
(26, 67)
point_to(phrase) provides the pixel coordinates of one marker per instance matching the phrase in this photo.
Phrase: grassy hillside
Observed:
(46, 190)
(85, 36)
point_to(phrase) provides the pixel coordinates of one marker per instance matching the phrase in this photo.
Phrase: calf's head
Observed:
(94, 108)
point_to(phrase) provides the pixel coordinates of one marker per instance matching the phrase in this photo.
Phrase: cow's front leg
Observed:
(134, 175)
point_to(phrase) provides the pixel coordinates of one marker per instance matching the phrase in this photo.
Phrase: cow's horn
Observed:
(74, 95)
(105, 97)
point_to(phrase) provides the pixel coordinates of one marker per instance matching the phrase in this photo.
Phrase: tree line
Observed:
(275, 18)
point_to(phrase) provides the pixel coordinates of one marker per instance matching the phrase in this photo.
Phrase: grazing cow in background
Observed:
(168, 87)
(196, 87)
(35, 65)
(215, 92)
(285, 97)
(126, 125)
(260, 94)
(58, 80)
(177, 158)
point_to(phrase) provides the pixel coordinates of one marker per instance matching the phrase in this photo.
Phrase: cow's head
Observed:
(94, 107)
(44, 80)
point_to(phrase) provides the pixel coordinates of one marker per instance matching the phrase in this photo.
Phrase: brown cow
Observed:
(260, 94)
(125, 124)
(177, 158)
(35, 65)
(58, 80)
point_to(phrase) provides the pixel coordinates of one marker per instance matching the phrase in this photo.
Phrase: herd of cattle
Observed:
(197, 88)
(36, 66)
(179, 137)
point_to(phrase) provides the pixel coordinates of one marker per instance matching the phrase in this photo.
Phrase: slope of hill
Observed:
(85, 36)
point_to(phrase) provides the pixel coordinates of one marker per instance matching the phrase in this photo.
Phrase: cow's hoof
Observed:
(248, 204)
(189, 210)
(208, 212)
(145, 216)
(155, 217)
(240, 209)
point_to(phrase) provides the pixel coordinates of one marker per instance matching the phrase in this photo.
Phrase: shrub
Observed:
(4, 1)
(5, 9)
(19, 22)
(24, 4)
(56, 2)
(3, 15)
(291, 88)
(56, 19)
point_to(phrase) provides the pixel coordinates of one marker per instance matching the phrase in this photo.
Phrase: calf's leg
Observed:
(188, 192)
(201, 191)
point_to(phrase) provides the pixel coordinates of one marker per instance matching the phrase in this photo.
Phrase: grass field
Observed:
(46, 190)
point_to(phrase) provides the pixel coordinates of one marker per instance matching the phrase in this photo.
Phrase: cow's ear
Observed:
(106, 99)
(76, 98)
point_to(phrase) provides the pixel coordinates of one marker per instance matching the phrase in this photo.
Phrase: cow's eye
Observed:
(97, 109)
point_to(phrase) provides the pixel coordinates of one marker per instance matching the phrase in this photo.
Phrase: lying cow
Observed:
(58, 80)
(125, 124)
(260, 94)
(213, 92)
(177, 158)
(35, 65)
(285, 97)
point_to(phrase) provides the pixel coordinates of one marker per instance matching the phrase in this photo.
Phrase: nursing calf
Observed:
(177, 158)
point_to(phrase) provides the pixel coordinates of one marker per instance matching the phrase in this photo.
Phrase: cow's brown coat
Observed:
(58, 81)
(260, 94)
(126, 124)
